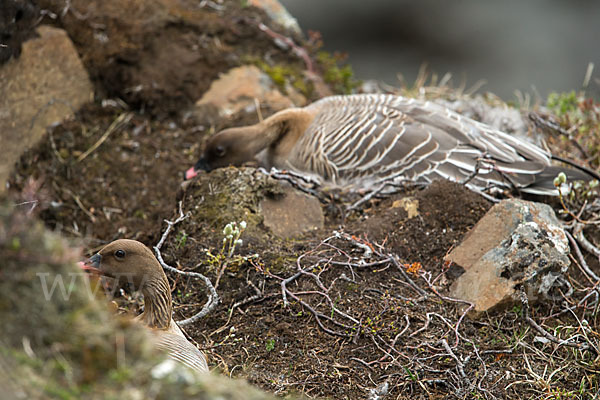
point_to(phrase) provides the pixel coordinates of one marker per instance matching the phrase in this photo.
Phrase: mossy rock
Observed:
(228, 195)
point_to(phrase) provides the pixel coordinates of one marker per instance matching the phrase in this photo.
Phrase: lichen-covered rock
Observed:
(58, 340)
(228, 194)
(516, 244)
(500, 116)
(245, 194)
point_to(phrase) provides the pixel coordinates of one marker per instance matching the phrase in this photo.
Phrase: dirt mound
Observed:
(161, 55)
(338, 324)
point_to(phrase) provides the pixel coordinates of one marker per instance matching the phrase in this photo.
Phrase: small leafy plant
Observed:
(181, 240)
(231, 239)
(270, 345)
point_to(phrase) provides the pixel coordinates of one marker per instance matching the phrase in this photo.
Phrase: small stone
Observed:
(242, 89)
(278, 13)
(292, 214)
(409, 204)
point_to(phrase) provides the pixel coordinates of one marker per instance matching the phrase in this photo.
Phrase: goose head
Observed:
(130, 261)
(127, 261)
(233, 146)
(254, 143)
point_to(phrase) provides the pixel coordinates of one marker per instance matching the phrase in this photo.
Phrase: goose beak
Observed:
(193, 171)
(189, 174)
(92, 265)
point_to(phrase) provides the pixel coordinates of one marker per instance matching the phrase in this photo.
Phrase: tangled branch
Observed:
(213, 297)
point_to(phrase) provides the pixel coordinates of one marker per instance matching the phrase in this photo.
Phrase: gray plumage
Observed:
(364, 141)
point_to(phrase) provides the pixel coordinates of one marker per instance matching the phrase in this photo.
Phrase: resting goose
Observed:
(366, 140)
(130, 261)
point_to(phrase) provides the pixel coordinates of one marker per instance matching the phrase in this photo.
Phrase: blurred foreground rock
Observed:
(45, 85)
(516, 244)
(57, 340)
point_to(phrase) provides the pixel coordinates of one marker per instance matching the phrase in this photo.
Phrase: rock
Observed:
(227, 195)
(241, 88)
(292, 214)
(278, 14)
(45, 85)
(245, 194)
(17, 21)
(409, 204)
(517, 243)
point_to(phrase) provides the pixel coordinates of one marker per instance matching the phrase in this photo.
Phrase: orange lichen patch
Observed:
(413, 268)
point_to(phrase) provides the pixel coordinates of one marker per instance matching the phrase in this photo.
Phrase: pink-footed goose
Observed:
(131, 261)
(365, 140)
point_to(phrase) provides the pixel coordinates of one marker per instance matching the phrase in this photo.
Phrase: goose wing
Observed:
(180, 349)
(382, 137)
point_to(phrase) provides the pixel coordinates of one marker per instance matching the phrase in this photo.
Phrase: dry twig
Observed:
(213, 297)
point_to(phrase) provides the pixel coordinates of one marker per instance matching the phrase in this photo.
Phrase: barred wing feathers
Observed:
(375, 138)
(180, 349)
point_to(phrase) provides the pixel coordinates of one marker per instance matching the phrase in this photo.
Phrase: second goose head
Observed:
(234, 146)
(128, 261)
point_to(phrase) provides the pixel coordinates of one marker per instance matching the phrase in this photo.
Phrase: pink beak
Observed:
(190, 173)
(89, 268)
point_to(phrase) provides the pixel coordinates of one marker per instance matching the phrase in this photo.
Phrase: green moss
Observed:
(284, 76)
(580, 117)
(562, 103)
(230, 194)
(340, 78)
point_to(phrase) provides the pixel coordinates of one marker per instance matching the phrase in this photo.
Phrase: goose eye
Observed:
(120, 254)
(220, 150)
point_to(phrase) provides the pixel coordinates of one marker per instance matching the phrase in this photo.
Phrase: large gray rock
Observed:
(517, 243)
(45, 85)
